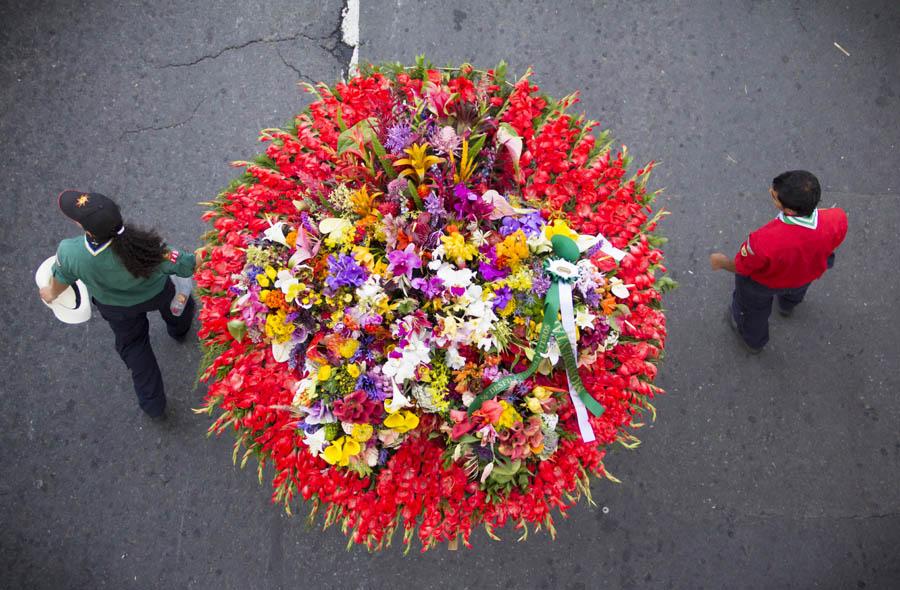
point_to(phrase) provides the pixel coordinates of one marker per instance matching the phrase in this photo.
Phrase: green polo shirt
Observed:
(107, 279)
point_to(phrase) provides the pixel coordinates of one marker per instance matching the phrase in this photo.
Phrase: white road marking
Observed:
(350, 32)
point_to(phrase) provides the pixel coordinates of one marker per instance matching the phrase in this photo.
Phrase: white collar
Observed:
(809, 222)
(98, 250)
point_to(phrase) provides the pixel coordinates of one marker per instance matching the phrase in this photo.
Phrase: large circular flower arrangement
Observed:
(432, 304)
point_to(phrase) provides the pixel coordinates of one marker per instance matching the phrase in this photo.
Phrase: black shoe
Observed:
(161, 417)
(729, 317)
(180, 338)
(785, 313)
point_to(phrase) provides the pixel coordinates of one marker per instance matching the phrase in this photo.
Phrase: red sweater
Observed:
(791, 252)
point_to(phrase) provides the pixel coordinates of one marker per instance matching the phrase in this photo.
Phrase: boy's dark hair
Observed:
(798, 190)
(141, 251)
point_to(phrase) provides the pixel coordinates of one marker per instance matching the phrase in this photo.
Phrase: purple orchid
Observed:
(403, 262)
(491, 272)
(345, 271)
(468, 204)
(432, 287)
(399, 136)
(502, 296)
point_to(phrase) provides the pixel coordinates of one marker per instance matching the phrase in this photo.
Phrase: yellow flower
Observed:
(292, 292)
(417, 162)
(361, 201)
(508, 308)
(541, 392)
(266, 277)
(402, 421)
(466, 164)
(363, 257)
(278, 328)
(339, 452)
(362, 432)
(509, 416)
(380, 268)
(520, 280)
(534, 405)
(513, 249)
(353, 370)
(457, 249)
(348, 348)
(559, 227)
(533, 401)
(324, 373)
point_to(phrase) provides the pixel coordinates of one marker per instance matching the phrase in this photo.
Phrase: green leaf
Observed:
(506, 467)
(381, 154)
(664, 284)
(500, 73)
(475, 147)
(467, 439)
(237, 329)
(414, 194)
(358, 135)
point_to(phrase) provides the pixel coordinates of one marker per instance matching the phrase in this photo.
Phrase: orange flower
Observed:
(609, 305)
(275, 300)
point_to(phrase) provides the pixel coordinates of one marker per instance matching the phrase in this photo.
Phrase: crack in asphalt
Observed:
(264, 40)
(296, 70)
(164, 127)
(333, 44)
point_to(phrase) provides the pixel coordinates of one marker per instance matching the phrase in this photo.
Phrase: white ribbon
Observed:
(586, 242)
(567, 311)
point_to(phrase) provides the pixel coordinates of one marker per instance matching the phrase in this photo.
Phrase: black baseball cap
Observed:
(97, 214)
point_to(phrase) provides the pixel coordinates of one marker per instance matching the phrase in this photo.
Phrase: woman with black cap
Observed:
(126, 270)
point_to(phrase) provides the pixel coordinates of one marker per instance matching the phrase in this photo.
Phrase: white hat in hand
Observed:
(73, 306)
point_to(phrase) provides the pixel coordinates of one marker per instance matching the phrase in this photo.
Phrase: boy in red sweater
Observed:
(781, 259)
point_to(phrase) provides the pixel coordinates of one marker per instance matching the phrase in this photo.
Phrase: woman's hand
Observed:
(199, 253)
(52, 290)
(47, 294)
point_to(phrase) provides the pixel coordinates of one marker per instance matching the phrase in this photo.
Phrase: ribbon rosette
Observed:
(559, 323)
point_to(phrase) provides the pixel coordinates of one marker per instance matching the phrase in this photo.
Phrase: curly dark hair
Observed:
(140, 250)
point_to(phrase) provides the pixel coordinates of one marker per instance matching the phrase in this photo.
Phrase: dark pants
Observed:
(751, 304)
(132, 331)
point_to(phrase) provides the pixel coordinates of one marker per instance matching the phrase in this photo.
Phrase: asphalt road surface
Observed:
(776, 471)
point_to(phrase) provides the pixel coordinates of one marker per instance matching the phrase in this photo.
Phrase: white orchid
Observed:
(306, 388)
(371, 456)
(502, 207)
(397, 402)
(455, 277)
(553, 352)
(539, 243)
(415, 353)
(584, 318)
(334, 227)
(315, 441)
(454, 360)
(275, 233)
(282, 350)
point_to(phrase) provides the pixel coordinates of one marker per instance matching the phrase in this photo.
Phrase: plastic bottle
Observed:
(183, 288)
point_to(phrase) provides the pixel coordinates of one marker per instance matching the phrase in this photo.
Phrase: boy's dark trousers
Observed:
(751, 304)
(132, 331)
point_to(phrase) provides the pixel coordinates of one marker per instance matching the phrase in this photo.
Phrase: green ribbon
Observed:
(551, 326)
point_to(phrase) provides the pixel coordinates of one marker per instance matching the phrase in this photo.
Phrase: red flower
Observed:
(356, 408)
